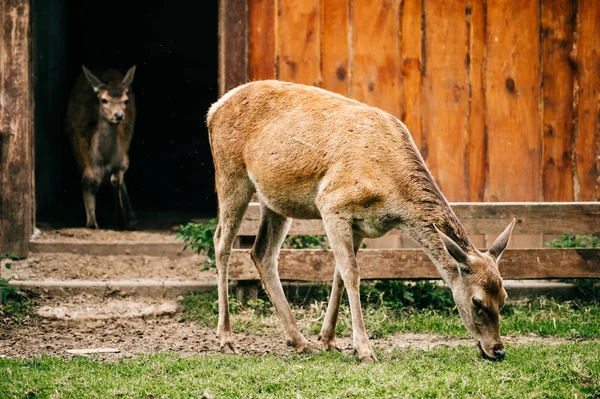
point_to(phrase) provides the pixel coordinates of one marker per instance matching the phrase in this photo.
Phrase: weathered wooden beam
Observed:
(485, 218)
(17, 200)
(317, 265)
(233, 44)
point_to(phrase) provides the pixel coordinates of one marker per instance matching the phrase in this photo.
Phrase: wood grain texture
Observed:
(17, 194)
(299, 47)
(557, 26)
(586, 57)
(484, 218)
(335, 67)
(477, 144)
(317, 265)
(262, 39)
(446, 96)
(233, 44)
(376, 54)
(512, 92)
(411, 57)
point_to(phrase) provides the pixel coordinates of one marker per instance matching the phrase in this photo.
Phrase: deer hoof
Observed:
(330, 345)
(228, 348)
(131, 225)
(302, 346)
(368, 358)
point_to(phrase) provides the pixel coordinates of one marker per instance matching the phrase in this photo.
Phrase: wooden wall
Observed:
(16, 128)
(501, 97)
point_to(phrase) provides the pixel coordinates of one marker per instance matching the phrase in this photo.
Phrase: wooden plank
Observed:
(171, 250)
(558, 18)
(485, 218)
(512, 93)
(412, 65)
(317, 265)
(17, 197)
(262, 39)
(233, 44)
(477, 145)
(376, 54)
(299, 41)
(586, 57)
(334, 45)
(446, 96)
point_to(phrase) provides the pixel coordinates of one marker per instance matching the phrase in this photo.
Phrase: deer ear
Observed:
(128, 79)
(94, 81)
(453, 249)
(501, 242)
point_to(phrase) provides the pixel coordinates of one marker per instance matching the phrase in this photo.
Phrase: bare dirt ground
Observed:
(150, 326)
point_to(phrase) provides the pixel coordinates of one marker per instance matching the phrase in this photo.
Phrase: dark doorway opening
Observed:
(171, 177)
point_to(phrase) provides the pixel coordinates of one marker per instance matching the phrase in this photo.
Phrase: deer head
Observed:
(112, 96)
(478, 291)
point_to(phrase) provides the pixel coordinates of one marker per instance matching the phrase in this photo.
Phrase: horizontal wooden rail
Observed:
(483, 218)
(317, 265)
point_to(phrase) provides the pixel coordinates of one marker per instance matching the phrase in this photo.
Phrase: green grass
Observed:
(544, 317)
(566, 370)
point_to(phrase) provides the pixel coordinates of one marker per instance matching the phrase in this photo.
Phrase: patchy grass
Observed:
(544, 317)
(566, 370)
(15, 305)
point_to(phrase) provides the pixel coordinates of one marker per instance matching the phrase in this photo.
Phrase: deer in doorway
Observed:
(312, 154)
(100, 122)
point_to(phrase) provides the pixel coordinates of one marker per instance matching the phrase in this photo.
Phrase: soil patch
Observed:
(150, 326)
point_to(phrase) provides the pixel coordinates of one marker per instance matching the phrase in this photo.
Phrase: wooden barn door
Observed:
(16, 128)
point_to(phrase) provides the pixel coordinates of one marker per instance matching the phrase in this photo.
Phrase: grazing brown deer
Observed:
(100, 121)
(311, 154)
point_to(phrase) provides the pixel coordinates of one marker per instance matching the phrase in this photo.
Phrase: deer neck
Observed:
(107, 138)
(425, 235)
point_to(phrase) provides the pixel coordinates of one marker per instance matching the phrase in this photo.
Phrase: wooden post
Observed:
(17, 202)
(233, 44)
(246, 290)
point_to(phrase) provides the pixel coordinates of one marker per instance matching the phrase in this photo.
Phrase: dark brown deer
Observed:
(310, 154)
(100, 121)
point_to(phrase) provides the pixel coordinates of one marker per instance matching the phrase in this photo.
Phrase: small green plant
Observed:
(399, 294)
(14, 304)
(587, 287)
(306, 242)
(199, 237)
(574, 241)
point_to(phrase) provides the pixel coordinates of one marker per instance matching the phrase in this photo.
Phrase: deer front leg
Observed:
(89, 185)
(124, 212)
(271, 233)
(327, 334)
(339, 232)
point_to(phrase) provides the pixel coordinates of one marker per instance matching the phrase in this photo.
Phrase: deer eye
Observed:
(477, 302)
(104, 101)
(126, 102)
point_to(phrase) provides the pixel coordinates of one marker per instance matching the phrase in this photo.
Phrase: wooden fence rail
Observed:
(478, 218)
(483, 218)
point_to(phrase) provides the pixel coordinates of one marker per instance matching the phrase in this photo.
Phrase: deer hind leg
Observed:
(234, 195)
(89, 185)
(339, 232)
(327, 334)
(271, 233)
